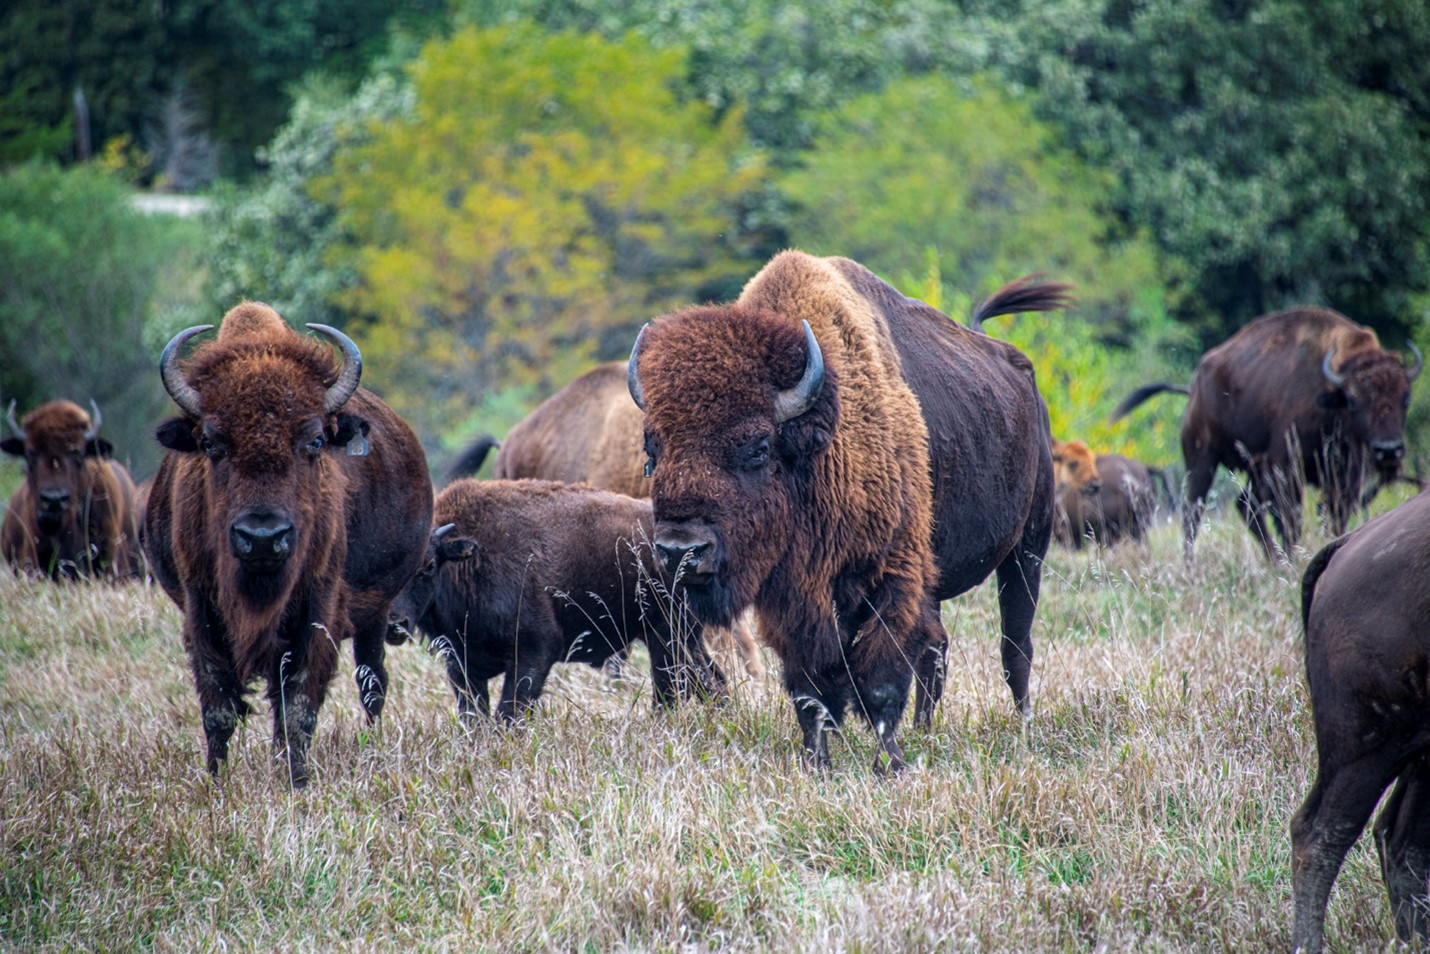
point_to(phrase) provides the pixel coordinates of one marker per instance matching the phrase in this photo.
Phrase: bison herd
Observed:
(823, 460)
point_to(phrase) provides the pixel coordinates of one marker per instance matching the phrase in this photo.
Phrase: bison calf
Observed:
(74, 515)
(1120, 505)
(1366, 612)
(520, 575)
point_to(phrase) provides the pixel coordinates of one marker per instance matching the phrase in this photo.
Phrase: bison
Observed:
(1075, 468)
(291, 508)
(74, 515)
(841, 458)
(1120, 505)
(589, 432)
(524, 574)
(1365, 610)
(1304, 396)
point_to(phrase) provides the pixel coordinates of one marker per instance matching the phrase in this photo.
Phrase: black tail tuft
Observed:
(1022, 294)
(469, 461)
(1142, 394)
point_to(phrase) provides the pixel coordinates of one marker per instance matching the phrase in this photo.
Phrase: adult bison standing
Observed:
(74, 515)
(293, 509)
(793, 470)
(1304, 396)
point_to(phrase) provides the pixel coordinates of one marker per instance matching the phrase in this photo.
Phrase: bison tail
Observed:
(1142, 394)
(1020, 295)
(1314, 569)
(469, 461)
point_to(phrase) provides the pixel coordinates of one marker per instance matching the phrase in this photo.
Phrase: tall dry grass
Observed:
(1145, 807)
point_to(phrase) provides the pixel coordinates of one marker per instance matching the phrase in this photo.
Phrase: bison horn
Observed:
(1336, 380)
(95, 419)
(633, 375)
(351, 373)
(1414, 369)
(14, 424)
(184, 395)
(440, 532)
(800, 398)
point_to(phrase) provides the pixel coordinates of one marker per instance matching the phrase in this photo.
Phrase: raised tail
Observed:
(1142, 394)
(1022, 294)
(470, 460)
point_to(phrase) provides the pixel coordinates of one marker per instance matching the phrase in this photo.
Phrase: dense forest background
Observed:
(492, 195)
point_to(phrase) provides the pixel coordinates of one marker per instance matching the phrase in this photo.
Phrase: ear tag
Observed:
(358, 446)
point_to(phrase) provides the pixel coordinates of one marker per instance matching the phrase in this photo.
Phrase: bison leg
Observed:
(1402, 837)
(297, 685)
(815, 720)
(468, 677)
(1328, 823)
(215, 678)
(932, 667)
(881, 693)
(536, 652)
(1200, 471)
(1019, 580)
(370, 672)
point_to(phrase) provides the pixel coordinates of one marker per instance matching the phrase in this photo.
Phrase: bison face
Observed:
(1372, 391)
(413, 606)
(738, 407)
(1075, 467)
(59, 443)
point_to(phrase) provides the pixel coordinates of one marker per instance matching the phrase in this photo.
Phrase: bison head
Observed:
(1075, 466)
(59, 443)
(738, 406)
(261, 421)
(1372, 389)
(411, 607)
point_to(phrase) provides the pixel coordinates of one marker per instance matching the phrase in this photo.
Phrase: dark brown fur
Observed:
(1121, 505)
(536, 572)
(827, 533)
(1366, 610)
(360, 526)
(1261, 404)
(95, 531)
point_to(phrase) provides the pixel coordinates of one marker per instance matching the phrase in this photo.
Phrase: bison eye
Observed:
(315, 446)
(758, 456)
(212, 448)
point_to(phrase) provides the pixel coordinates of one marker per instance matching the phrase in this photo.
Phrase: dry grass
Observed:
(1146, 806)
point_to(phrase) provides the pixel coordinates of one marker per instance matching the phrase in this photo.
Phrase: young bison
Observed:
(520, 575)
(1366, 611)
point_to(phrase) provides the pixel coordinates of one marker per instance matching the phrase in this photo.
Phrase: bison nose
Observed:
(1092, 487)
(54, 499)
(1387, 451)
(689, 550)
(264, 539)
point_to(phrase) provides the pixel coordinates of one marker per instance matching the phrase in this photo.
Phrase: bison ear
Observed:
(13, 445)
(460, 548)
(177, 434)
(1332, 400)
(349, 427)
(99, 447)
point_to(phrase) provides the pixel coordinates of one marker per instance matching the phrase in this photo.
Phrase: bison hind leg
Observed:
(931, 669)
(1020, 578)
(1402, 837)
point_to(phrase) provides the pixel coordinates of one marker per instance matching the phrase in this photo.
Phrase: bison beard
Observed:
(799, 489)
(277, 526)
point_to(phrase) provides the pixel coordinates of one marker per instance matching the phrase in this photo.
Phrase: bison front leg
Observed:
(1402, 837)
(370, 672)
(216, 679)
(296, 689)
(932, 668)
(537, 650)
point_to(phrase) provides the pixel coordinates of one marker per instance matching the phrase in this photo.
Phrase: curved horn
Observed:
(184, 396)
(440, 532)
(633, 375)
(800, 398)
(95, 419)
(1331, 376)
(1414, 369)
(349, 376)
(14, 424)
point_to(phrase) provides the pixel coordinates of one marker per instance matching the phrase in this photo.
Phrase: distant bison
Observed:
(521, 575)
(1075, 468)
(1121, 506)
(589, 432)
(842, 458)
(292, 508)
(1365, 607)
(1305, 396)
(74, 514)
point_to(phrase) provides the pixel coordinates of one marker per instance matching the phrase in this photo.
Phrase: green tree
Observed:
(966, 170)
(89, 284)
(548, 193)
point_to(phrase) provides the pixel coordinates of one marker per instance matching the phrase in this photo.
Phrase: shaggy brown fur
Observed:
(1366, 612)
(1122, 504)
(1075, 468)
(533, 573)
(823, 522)
(74, 516)
(1262, 403)
(352, 488)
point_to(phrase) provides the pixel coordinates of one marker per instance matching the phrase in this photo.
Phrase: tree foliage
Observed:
(85, 278)
(548, 194)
